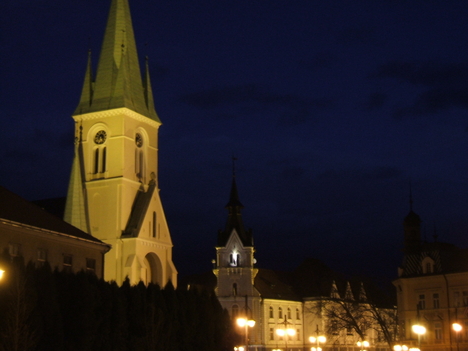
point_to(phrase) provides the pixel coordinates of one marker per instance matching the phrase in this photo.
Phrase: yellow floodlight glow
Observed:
(1, 273)
(457, 327)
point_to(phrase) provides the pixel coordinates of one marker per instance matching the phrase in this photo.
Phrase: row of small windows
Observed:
(459, 299)
(280, 313)
(14, 250)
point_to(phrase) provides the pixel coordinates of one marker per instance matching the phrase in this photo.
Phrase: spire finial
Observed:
(234, 159)
(410, 196)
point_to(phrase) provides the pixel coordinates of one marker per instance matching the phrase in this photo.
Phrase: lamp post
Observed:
(285, 332)
(420, 330)
(362, 345)
(457, 328)
(317, 340)
(246, 323)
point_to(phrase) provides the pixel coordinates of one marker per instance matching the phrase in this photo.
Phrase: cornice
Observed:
(116, 112)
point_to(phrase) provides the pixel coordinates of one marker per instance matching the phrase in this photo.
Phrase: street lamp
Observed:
(362, 345)
(457, 328)
(400, 348)
(420, 330)
(319, 339)
(247, 323)
(1, 273)
(286, 333)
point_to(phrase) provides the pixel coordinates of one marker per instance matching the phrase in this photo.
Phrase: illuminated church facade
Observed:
(113, 190)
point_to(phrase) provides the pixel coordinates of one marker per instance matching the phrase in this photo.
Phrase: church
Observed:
(113, 191)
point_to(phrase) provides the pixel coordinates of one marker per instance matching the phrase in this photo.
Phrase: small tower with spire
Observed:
(412, 229)
(113, 192)
(235, 263)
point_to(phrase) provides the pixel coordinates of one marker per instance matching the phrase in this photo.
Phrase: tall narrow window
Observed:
(104, 156)
(154, 224)
(422, 302)
(298, 315)
(271, 312)
(436, 300)
(235, 311)
(289, 313)
(234, 289)
(438, 331)
(280, 312)
(67, 263)
(96, 161)
(91, 265)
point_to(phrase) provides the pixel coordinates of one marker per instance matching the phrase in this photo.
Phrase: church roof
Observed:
(14, 208)
(118, 80)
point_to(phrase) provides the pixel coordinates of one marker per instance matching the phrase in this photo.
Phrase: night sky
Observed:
(331, 107)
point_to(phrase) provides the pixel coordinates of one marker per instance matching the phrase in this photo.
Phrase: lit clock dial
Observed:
(138, 140)
(100, 137)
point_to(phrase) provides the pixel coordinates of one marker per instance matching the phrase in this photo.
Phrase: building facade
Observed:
(432, 291)
(113, 191)
(36, 236)
(312, 301)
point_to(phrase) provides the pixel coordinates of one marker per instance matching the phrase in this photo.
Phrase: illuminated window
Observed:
(280, 312)
(436, 300)
(272, 314)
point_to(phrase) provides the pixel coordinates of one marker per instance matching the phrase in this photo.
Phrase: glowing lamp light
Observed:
(400, 348)
(457, 327)
(363, 343)
(1, 273)
(418, 329)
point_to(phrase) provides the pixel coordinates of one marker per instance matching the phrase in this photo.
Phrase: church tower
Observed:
(113, 192)
(234, 266)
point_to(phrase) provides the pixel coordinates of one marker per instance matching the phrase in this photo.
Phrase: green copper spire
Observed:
(118, 79)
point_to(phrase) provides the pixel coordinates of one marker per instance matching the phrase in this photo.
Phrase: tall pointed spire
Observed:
(118, 79)
(234, 220)
(75, 207)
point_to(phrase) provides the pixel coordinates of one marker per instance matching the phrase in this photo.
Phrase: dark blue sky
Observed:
(331, 107)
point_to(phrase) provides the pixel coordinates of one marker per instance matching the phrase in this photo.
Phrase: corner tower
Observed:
(113, 191)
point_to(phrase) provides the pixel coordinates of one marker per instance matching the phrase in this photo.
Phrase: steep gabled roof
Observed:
(16, 209)
(118, 79)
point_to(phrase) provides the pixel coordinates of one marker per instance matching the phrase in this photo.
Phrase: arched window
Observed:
(234, 289)
(280, 312)
(289, 313)
(428, 265)
(272, 313)
(298, 315)
(238, 260)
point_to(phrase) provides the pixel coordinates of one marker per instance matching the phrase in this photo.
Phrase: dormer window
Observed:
(428, 266)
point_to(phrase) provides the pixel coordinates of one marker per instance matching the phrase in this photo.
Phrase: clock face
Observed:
(138, 140)
(100, 137)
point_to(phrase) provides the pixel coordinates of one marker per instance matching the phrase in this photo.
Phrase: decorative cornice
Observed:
(116, 112)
